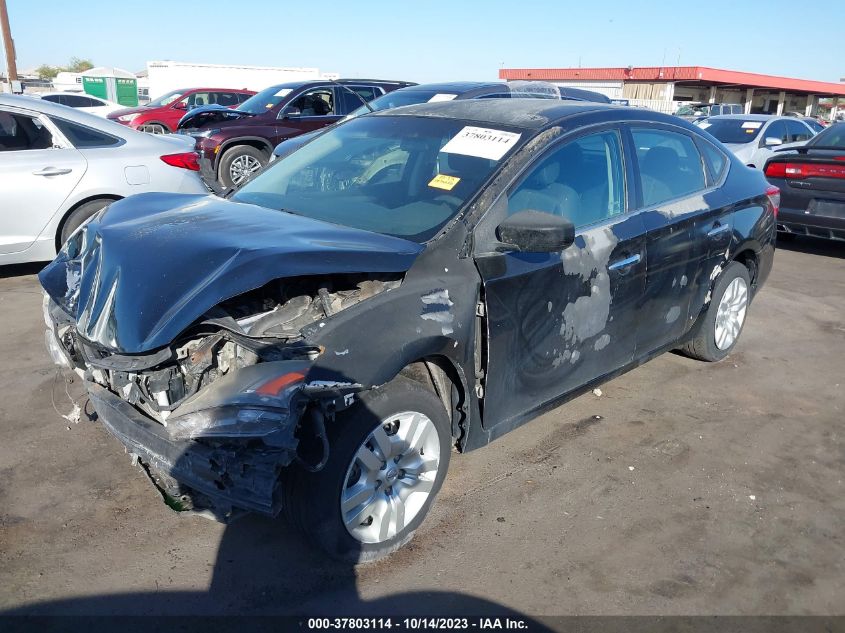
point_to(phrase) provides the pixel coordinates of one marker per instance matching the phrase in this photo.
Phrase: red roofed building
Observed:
(664, 87)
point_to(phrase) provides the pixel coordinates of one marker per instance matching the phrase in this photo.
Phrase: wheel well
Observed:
(439, 375)
(68, 213)
(748, 259)
(259, 145)
(164, 125)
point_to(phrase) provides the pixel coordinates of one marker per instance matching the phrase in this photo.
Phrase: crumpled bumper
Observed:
(231, 477)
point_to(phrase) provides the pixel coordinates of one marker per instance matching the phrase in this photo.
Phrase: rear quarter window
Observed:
(81, 136)
(715, 161)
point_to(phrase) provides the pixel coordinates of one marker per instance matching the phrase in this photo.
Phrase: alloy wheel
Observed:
(730, 314)
(391, 477)
(242, 168)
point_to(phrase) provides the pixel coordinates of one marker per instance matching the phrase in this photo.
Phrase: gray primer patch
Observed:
(602, 342)
(438, 307)
(683, 281)
(673, 314)
(588, 315)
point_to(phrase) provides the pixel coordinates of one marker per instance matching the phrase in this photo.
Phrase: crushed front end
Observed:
(192, 347)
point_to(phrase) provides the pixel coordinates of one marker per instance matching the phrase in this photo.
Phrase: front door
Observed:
(314, 109)
(36, 176)
(556, 321)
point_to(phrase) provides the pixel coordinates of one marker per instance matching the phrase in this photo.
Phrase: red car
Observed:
(161, 115)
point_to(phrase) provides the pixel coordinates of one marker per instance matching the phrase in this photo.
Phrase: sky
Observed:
(435, 40)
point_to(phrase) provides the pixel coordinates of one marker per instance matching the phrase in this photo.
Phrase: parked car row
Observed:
(59, 166)
(413, 281)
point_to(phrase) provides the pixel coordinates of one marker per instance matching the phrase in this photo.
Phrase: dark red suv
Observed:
(161, 115)
(234, 144)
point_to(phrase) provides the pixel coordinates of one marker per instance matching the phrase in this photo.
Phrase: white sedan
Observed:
(753, 138)
(83, 102)
(59, 166)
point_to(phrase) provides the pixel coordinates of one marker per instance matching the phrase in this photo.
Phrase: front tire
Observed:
(717, 333)
(389, 457)
(240, 163)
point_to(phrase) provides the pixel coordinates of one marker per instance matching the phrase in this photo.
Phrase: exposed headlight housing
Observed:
(128, 118)
(230, 422)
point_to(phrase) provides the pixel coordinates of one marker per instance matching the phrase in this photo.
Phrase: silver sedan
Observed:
(59, 166)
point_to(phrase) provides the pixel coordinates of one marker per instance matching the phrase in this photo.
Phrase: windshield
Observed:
(401, 176)
(265, 100)
(692, 110)
(733, 130)
(403, 97)
(167, 99)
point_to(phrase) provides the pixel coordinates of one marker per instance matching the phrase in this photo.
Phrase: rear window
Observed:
(833, 136)
(733, 130)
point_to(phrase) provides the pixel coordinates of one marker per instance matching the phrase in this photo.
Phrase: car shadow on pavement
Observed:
(811, 245)
(265, 567)
(20, 270)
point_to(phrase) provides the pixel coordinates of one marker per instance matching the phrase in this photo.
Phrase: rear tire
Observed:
(389, 456)
(79, 215)
(717, 332)
(240, 163)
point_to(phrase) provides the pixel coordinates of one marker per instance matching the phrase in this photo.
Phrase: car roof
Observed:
(456, 86)
(53, 93)
(750, 117)
(526, 113)
(74, 115)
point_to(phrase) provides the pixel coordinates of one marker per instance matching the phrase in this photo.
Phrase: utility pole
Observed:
(8, 44)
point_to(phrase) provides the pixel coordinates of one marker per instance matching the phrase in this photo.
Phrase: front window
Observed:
(733, 130)
(167, 99)
(400, 176)
(582, 181)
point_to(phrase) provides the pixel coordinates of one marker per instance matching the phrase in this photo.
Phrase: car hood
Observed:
(204, 115)
(124, 111)
(137, 276)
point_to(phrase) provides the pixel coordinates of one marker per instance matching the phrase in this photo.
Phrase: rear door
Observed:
(356, 96)
(38, 170)
(671, 182)
(556, 321)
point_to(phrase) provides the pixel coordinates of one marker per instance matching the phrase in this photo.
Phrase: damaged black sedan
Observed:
(409, 283)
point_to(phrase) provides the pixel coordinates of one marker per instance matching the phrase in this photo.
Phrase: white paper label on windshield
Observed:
(284, 92)
(704, 125)
(481, 142)
(752, 125)
(442, 96)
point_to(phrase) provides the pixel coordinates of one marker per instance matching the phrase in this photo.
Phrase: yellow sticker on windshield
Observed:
(442, 181)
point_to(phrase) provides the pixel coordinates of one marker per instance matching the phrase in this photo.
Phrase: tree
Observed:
(47, 72)
(78, 65)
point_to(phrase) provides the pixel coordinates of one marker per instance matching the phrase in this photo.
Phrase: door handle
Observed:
(52, 171)
(624, 263)
(718, 230)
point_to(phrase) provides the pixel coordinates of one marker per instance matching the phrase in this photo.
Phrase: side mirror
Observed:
(291, 113)
(771, 141)
(179, 105)
(532, 231)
